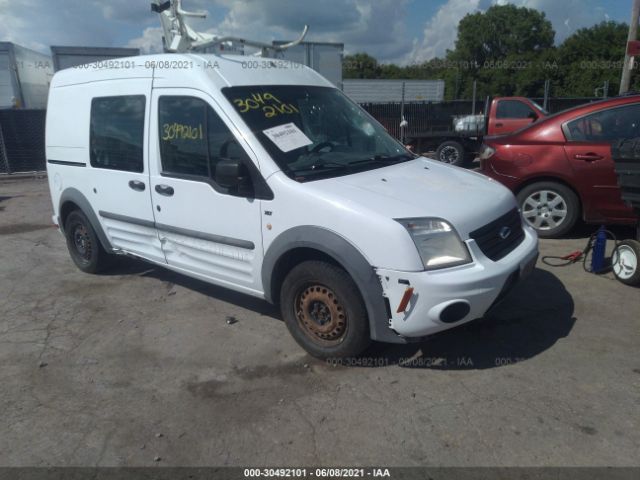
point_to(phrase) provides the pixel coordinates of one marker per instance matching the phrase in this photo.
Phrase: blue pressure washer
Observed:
(599, 247)
(595, 251)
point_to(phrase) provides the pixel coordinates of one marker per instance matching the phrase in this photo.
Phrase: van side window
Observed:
(117, 133)
(193, 138)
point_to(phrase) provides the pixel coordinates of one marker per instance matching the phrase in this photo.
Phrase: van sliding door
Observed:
(119, 178)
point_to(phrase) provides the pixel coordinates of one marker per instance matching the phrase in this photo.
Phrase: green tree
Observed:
(510, 50)
(590, 57)
(501, 31)
(503, 49)
(360, 65)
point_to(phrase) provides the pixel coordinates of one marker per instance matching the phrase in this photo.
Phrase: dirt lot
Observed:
(121, 369)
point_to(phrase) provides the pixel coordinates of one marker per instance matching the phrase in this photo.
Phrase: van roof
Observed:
(193, 70)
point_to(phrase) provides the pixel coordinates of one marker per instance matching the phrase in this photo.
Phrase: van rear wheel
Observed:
(83, 244)
(324, 311)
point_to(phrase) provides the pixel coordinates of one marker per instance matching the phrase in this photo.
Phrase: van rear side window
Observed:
(117, 133)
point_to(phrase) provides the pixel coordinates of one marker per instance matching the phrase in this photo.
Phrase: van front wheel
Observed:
(83, 244)
(324, 311)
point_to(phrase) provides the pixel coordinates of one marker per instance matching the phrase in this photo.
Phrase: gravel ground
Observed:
(140, 367)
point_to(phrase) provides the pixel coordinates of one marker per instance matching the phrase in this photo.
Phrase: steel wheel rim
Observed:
(321, 315)
(449, 155)
(82, 242)
(625, 262)
(545, 209)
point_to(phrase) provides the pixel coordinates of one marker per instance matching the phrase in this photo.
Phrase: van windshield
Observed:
(315, 132)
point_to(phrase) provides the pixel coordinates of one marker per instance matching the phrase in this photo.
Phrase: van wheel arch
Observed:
(65, 209)
(305, 243)
(289, 260)
(72, 199)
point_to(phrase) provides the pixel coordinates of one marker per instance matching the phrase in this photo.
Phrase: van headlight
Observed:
(437, 242)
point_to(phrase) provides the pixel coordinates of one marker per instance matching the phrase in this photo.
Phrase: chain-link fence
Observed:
(22, 131)
(4, 160)
(437, 117)
(22, 141)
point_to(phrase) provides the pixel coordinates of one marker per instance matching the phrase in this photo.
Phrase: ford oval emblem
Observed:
(504, 232)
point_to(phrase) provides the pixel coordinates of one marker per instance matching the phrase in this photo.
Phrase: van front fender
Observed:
(345, 254)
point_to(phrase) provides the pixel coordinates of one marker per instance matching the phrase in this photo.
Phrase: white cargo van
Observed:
(260, 176)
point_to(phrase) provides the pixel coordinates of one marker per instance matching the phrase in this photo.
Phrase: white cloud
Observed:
(440, 32)
(125, 11)
(149, 42)
(567, 16)
(378, 27)
(38, 24)
(14, 21)
(362, 25)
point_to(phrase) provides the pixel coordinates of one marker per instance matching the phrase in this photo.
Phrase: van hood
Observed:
(424, 188)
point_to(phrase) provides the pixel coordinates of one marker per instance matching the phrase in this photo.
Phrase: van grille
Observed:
(500, 237)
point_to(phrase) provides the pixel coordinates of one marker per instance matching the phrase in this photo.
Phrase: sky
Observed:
(398, 31)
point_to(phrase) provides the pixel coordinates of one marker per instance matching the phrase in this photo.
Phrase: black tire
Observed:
(537, 203)
(627, 271)
(324, 311)
(452, 153)
(83, 244)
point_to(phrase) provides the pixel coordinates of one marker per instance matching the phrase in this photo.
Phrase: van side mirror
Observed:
(234, 176)
(533, 116)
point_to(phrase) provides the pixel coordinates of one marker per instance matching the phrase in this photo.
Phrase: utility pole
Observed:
(547, 90)
(473, 102)
(628, 59)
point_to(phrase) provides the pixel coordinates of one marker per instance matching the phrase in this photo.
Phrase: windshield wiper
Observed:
(387, 159)
(322, 165)
(330, 165)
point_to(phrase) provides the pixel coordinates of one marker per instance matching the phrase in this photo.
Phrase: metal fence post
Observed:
(402, 115)
(547, 87)
(4, 160)
(473, 101)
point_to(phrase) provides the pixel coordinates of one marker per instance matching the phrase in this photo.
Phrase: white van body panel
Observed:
(107, 190)
(324, 206)
(356, 205)
(227, 240)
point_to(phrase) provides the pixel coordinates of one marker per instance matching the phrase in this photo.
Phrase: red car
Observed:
(560, 167)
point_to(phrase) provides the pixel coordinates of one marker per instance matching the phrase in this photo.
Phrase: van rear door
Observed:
(204, 229)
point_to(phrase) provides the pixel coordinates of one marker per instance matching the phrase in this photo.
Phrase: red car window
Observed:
(606, 125)
(513, 109)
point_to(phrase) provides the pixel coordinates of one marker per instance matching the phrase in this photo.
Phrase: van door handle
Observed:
(137, 185)
(499, 124)
(165, 190)
(588, 157)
